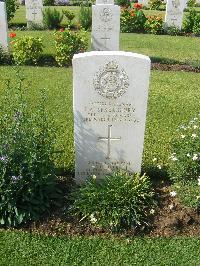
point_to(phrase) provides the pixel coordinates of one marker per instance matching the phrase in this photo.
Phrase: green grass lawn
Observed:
(173, 99)
(161, 48)
(20, 249)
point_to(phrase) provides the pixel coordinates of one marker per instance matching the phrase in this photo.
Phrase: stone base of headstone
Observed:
(110, 103)
(105, 27)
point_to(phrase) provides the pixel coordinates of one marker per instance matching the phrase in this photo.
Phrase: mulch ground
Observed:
(170, 219)
(175, 67)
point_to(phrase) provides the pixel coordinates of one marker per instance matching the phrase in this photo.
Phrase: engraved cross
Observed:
(109, 139)
(105, 40)
(34, 12)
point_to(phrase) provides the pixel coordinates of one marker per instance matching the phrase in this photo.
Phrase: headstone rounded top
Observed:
(104, 2)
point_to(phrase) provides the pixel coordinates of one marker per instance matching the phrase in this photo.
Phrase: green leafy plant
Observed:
(11, 7)
(52, 18)
(48, 2)
(85, 17)
(172, 30)
(189, 20)
(196, 27)
(69, 16)
(28, 184)
(123, 3)
(27, 50)
(133, 20)
(185, 158)
(155, 4)
(154, 25)
(119, 201)
(69, 43)
(191, 3)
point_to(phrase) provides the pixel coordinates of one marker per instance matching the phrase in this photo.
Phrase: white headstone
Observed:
(174, 13)
(34, 14)
(105, 26)
(143, 2)
(3, 27)
(110, 103)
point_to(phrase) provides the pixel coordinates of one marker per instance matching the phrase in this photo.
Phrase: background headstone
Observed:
(34, 14)
(3, 27)
(143, 2)
(105, 26)
(110, 103)
(174, 13)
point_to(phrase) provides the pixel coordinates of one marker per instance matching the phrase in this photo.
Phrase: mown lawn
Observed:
(27, 249)
(173, 99)
(161, 48)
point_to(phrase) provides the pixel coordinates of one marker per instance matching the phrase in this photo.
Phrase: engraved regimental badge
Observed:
(106, 14)
(111, 82)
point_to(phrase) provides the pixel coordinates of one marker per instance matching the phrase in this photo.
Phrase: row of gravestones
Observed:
(110, 97)
(110, 100)
(106, 22)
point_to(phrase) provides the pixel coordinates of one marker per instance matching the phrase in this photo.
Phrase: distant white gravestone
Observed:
(143, 2)
(34, 13)
(110, 103)
(3, 27)
(105, 26)
(174, 13)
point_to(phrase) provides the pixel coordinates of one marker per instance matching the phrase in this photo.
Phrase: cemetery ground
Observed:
(173, 235)
(173, 99)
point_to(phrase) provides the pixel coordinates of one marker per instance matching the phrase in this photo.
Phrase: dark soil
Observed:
(174, 67)
(170, 219)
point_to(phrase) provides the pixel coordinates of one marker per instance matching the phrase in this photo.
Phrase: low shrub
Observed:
(133, 20)
(172, 30)
(28, 184)
(69, 16)
(123, 3)
(155, 4)
(11, 8)
(27, 50)
(48, 2)
(52, 18)
(185, 158)
(69, 43)
(61, 2)
(119, 201)
(196, 27)
(189, 21)
(85, 17)
(154, 25)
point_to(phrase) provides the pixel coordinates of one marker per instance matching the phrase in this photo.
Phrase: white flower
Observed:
(93, 219)
(194, 135)
(94, 177)
(182, 136)
(154, 159)
(173, 193)
(198, 180)
(198, 197)
(159, 166)
(195, 126)
(195, 157)
(152, 211)
(188, 155)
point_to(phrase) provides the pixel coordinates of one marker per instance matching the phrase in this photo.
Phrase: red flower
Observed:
(132, 13)
(12, 35)
(61, 30)
(137, 6)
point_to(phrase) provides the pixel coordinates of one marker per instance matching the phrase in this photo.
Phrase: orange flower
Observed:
(137, 6)
(12, 35)
(132, 13)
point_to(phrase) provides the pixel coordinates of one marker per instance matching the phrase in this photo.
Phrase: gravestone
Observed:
(143, 2)
(34, 14)
(110, 102)
(174, 13)
(3, 27)
(105, 26)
